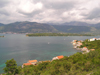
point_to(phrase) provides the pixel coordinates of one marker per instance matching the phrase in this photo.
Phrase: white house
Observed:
(93, 39)
(58, 57)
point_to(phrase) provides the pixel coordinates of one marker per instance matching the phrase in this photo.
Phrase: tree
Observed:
(11, 67)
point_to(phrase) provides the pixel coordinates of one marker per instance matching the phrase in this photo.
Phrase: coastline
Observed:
(78, 45)
(62, 39)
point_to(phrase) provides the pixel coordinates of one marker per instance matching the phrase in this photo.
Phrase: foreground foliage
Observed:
(11, 67)
(77, 64)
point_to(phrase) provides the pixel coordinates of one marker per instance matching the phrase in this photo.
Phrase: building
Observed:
(26, 64)
(58, 57)
(79, 44)
(92, 49)
(54, 58)
(84, 49)
(93, 39)
(32, 62)
(74, 43)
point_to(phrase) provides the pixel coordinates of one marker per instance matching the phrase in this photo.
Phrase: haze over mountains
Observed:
(34, 27)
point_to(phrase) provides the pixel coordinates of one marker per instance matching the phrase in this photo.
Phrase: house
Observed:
(84, 49)
(58, 57)
(32, 62)
(93, 39)
(98, 39)
(74, 40)
(74, 43)
(92, 49)
(26, 64)
(79, 44)
(54, 58)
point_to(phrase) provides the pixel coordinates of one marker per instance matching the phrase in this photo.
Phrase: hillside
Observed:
(1, 24)
(77, 64)
(73, 23)
(27, 27)
(34, 27)
(77, 27)
(72, 29)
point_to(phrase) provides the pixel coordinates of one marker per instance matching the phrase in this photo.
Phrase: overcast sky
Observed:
(56, 11)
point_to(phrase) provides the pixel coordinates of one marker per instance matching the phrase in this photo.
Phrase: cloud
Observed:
(94, 14)
(59, 5)
(49, 10)
(29, 7)
(3, 3)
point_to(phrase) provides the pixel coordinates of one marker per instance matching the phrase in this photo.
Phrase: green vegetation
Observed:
(11, 67)
(91, 44)
(2, 36)
(57, 34)
(77, 64)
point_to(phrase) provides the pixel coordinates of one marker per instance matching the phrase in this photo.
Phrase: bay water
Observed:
(23, 48)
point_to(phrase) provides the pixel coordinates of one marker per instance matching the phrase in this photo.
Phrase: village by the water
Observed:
(76, 44)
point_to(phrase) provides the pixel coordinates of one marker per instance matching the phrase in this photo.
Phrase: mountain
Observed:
(73, 23)
(27, 27)
(72, 29)
(34, 27)
(1, 24)
(77, 27)
(76, 23)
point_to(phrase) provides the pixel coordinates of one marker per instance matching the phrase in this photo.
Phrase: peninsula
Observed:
(57, 34)
(2, 36)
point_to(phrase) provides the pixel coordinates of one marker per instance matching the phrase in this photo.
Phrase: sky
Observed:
(50, 11)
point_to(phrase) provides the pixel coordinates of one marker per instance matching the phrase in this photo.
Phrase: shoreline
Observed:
(78, 45)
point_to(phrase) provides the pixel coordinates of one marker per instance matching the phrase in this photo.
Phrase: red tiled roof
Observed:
(27, 64)
(30, 61)
(60, 57)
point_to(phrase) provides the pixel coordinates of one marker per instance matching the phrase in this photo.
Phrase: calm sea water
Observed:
(23, 48)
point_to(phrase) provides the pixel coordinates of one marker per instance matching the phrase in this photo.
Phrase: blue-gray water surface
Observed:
(23, 48)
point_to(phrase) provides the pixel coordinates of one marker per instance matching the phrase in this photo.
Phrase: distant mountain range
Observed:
(34, 27)
(27, 27)
(73, 23)
(1, 24)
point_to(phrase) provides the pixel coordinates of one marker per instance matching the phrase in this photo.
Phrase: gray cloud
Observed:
(4, 12)
(94, 14)
(32, 14)
(49, 10)
(4, 3)
(60, 5)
